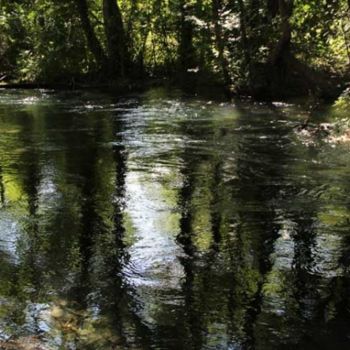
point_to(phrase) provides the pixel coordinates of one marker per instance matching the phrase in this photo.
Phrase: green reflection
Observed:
(164, 222)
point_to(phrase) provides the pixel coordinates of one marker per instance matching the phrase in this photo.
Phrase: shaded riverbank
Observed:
(262, 91)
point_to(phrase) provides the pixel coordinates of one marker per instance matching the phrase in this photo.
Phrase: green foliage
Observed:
(12, 34)
(57, 50)
(44, 40)
(319, 36)
(343, 102)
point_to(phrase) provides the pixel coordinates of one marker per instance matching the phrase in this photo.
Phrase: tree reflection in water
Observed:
(163, 222)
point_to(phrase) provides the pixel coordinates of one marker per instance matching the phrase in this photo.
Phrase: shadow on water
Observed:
(2, 189)
(256, 194)
(164, 222)
(31, 274)
(192, 318)
(101, 284)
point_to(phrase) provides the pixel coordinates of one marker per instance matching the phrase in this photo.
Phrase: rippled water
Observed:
(159, 221)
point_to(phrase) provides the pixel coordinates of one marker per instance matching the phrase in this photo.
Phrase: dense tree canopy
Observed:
(247, 45)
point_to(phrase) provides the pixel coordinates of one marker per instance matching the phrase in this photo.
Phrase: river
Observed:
(163, 221)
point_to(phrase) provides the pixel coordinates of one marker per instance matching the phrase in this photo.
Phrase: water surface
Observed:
(160, 221)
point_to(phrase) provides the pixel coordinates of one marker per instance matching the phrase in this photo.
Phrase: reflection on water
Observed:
(164, 222)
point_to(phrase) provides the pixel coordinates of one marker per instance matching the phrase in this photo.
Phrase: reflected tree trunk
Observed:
(185, 235)
(2, 188)
(118, 296)
(185, 239)
(32, 273)
(258, 186)
(306, 287)
(236, 291)
(114, 302)
(89, 225)
(216, 215)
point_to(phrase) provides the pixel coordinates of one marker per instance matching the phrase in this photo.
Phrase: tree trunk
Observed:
(244, 40)
(92, 41)
(115, 36)
(220, 42)
(282, 49)
(186, 50)
(287, 75)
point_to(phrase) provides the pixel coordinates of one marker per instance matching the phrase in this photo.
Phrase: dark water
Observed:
(164, 222)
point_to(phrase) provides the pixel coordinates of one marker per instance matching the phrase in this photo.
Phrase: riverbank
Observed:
(194, 85)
